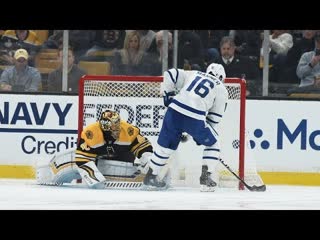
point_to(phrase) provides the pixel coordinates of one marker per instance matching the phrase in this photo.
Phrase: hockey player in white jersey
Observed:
(196, 103)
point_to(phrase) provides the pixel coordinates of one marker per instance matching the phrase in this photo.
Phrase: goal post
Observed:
(237, 91)
(138, 101)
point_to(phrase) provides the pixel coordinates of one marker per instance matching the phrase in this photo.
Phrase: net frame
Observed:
(159, 79)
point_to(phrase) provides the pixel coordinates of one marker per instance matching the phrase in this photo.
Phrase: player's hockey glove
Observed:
(167, 98)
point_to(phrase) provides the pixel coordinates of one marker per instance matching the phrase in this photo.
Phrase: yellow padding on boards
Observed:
(282, 178)
(17, 171)
(291, 178)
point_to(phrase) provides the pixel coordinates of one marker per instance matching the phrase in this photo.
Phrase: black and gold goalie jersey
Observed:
(95, 142)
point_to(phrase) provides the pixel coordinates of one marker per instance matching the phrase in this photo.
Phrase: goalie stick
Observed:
(116, 183)
(253, 188)
(135, 182)
(123, 182)
(123, 185)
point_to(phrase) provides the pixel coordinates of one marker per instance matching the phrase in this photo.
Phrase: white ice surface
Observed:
(26, 195)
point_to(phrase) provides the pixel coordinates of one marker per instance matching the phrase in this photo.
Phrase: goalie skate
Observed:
(153, 183)
(206, 183)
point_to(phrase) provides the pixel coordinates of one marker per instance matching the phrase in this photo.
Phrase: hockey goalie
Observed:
(110, 153)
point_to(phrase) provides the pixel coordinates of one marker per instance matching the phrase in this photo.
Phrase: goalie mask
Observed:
(217, 70)
(110, 122)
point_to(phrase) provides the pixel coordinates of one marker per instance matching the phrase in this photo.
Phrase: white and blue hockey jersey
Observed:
(199, 95)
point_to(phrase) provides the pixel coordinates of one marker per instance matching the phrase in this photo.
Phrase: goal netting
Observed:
(138, 100)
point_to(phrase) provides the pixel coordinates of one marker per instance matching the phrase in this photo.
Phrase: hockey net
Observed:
(138, 100)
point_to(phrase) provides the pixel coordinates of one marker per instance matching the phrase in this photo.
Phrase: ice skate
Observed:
(152, 182)
(206, 183)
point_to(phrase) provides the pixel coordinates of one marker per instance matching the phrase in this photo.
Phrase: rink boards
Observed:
(284, 136)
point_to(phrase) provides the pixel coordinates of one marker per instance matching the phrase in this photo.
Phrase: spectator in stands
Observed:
(305, 44)
(247, 43)
(280, 43)
(21, 37)
(239, 66)
(146, 38)
(74, 74)
(155, 51)
(81, 40)
(211, 40)
(190, 51)
(20, 77)
(12, 40)
(6, 56)
(308, 69)
(106, 40)
(131, 60)
(42, 35)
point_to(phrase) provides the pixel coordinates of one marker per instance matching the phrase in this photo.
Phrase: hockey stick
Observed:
(185, 137)
(253, 188)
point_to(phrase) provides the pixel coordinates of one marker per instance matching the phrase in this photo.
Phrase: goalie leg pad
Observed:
(91, 175)
(44, 175)
(60, 169)
(67, 176)
(50, 175)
